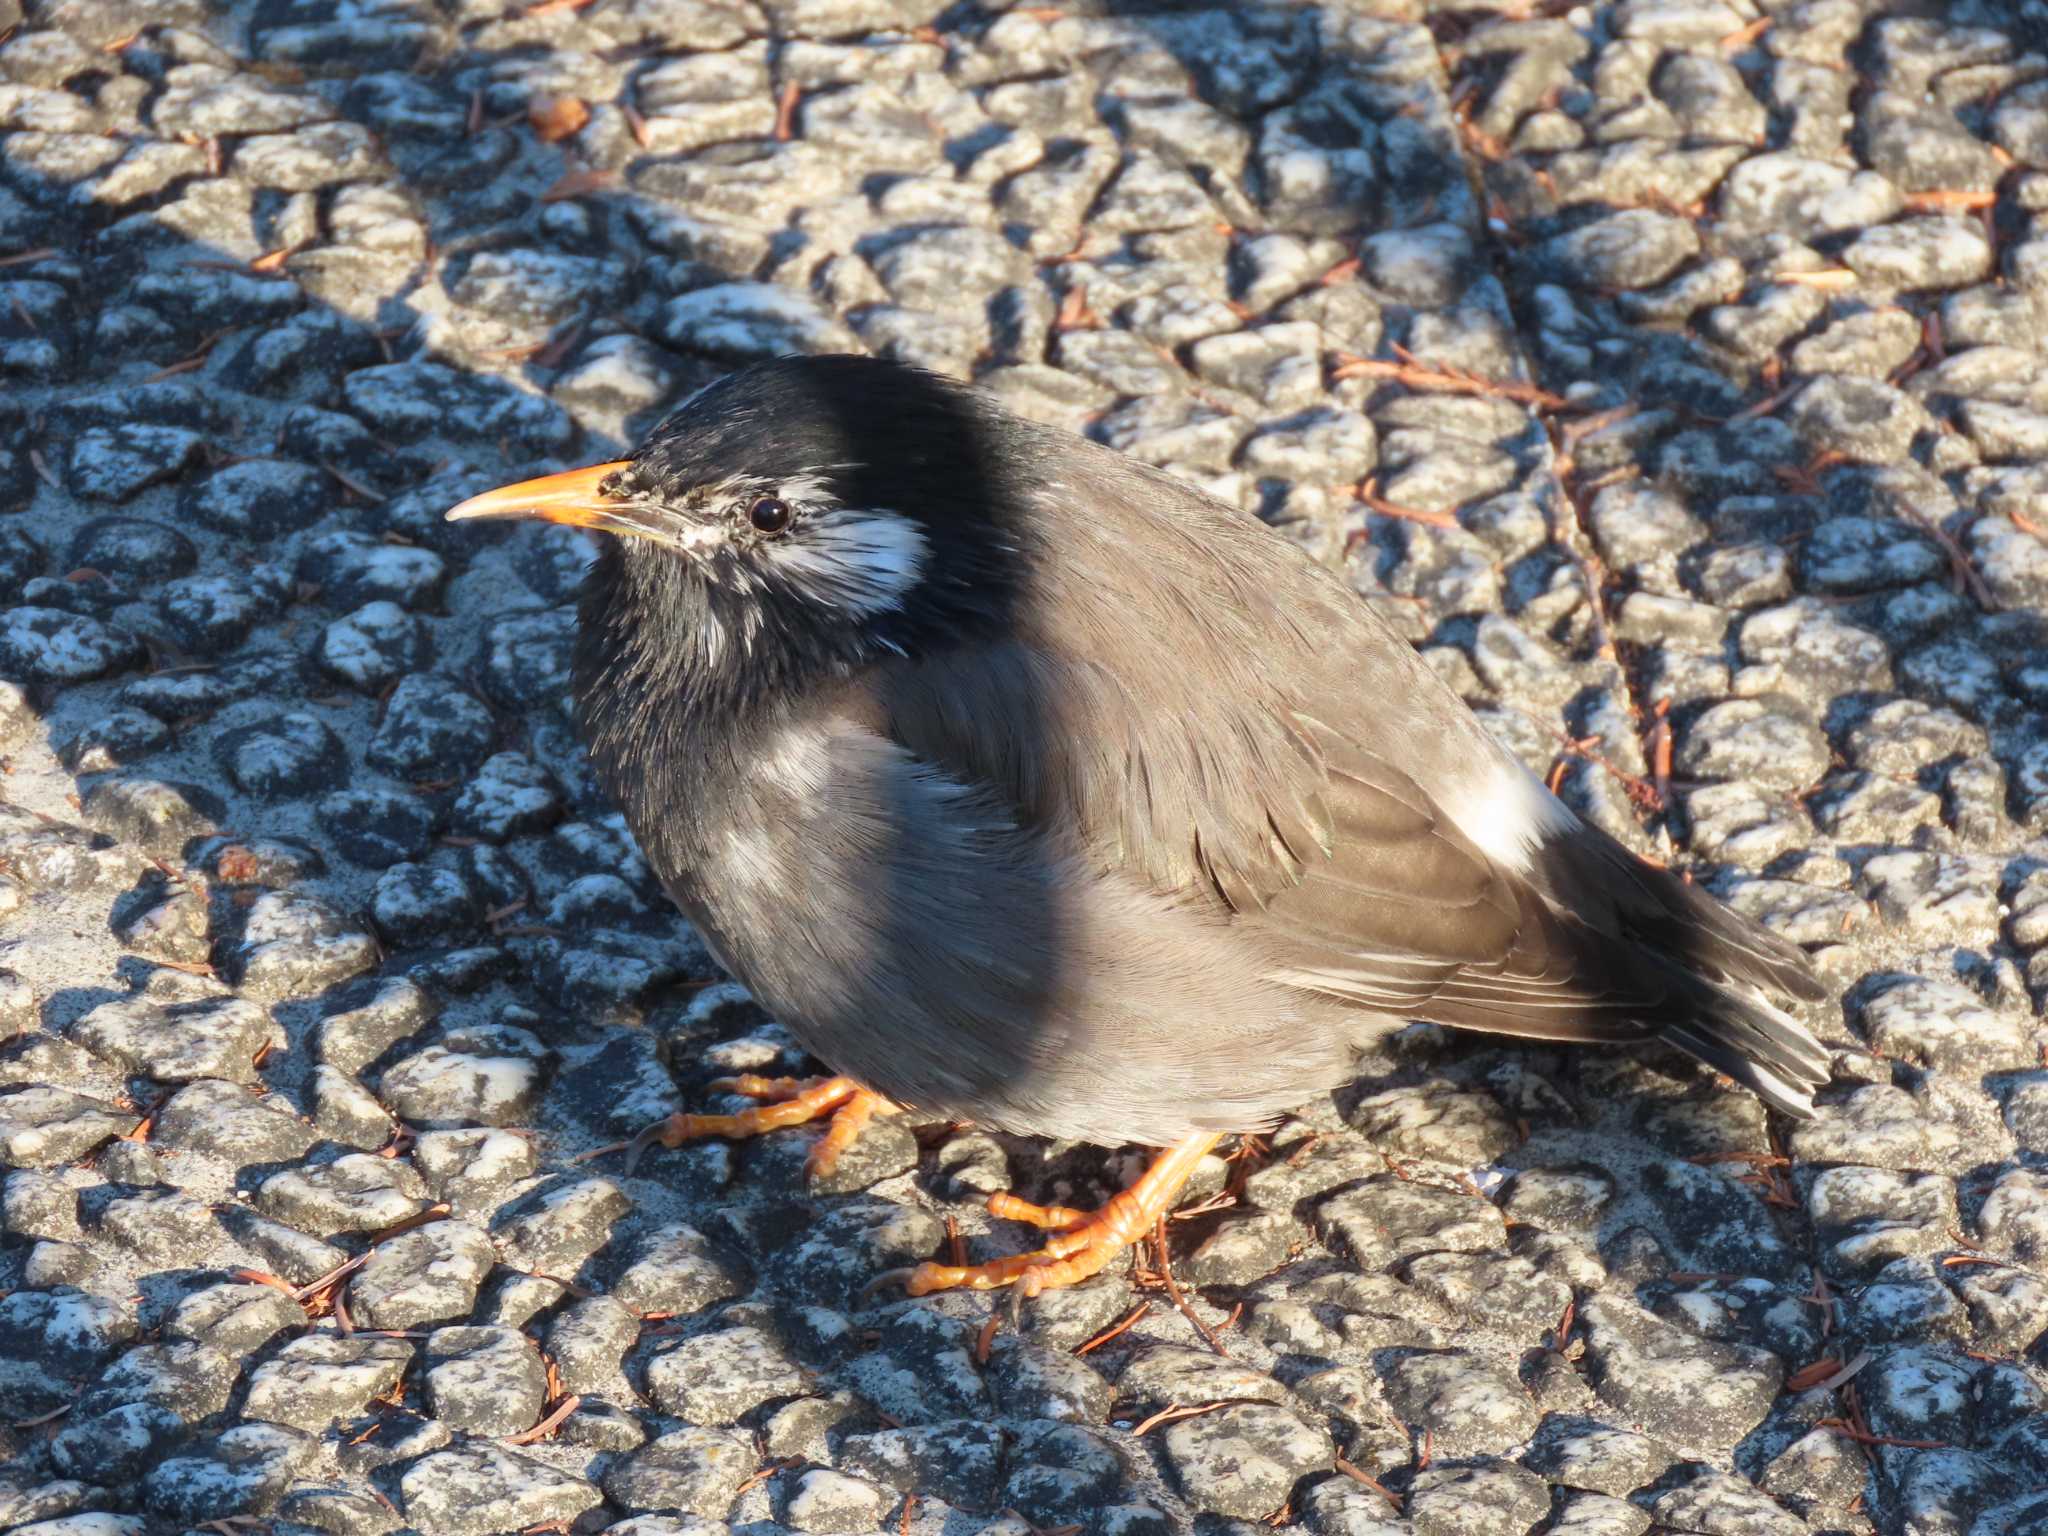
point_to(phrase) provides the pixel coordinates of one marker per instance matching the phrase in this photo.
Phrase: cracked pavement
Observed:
(1674, 373)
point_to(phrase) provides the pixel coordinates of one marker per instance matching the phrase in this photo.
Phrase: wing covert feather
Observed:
(1283, 757)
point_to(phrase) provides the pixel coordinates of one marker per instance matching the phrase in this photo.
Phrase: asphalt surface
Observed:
(1671, 371)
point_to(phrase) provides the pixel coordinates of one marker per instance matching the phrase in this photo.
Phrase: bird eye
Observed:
(770, 514)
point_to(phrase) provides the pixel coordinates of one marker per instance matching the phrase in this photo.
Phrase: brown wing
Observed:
(1194, 705)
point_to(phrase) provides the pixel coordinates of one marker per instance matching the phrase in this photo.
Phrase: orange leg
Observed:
(1087, 1240)
(787, 1101)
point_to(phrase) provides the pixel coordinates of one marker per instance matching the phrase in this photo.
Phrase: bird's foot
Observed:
(1087, 1240)
(785, 1101)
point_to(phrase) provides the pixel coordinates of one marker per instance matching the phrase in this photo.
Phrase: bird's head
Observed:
(827, 506)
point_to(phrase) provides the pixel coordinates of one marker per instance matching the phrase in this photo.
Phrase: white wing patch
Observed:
(862, 560)
(1506, 813)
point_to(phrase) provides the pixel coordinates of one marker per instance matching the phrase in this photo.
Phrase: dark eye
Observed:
(770, 514)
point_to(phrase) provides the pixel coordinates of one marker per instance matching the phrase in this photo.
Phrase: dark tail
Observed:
(1736, 1029)
(1716, 970)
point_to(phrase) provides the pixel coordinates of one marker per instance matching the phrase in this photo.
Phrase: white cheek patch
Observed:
(863, 561)
(699, 538)
(813, 488)
(1506, 813)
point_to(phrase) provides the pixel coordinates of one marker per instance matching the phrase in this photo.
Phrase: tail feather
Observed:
(1719, 967)
(1726, 944)
(1767, 1051)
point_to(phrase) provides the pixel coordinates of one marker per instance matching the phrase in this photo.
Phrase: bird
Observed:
(1034, 787)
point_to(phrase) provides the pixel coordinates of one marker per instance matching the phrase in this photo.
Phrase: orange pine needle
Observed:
(1831, 279)
(548, 1425)
(556, 117)
(579, 184)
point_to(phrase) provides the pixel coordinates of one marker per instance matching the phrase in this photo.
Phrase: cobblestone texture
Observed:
(1673, 372)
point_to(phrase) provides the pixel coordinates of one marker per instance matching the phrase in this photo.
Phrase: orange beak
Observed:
(573, 497)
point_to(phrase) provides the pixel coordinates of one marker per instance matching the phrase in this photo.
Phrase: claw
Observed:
(846, 1104)
(885, 1278)
(636, 1147)
(1084, 1241)
(606, 1151)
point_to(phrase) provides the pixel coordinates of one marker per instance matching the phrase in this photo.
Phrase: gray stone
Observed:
(153, 1225)
(114, 463)
(1866, 1217)
(278, 1249)
(1935, 895)
(294, 946)
(1802, 196)
(1931, 252)
(716, 1378)
(471, 1167)
(1387, 1218)
(43, 1126)
(446, 1089)
(1766, 742)
(120, 1443)
(317, 1380)
(66, 1333)
(1635, 248)
(222, 1120)
(746, 322)
(431, 729)
(556, 1227)
(374, 646)
(260, 498)
(487, 1381)
(425, 1277)
(688, 1471)
(956, 1460)
(352, 569)
(1945, 1027)
(508, 795)
(282, 756)
(375, 828)
(2014, 1217)
(478, 1488)
(822, 1500)
(1722, 1502)
(234, 1319)
(49, 645)
(588, 1340)
(1865, 420)
(241, 1472)
(355, 1193)
(1698, 1392)
(419, 903)
(180, 1042)
(1243, 1460)
(1469, 1500)
(1468, 1405)
(1804, 639)
(412, 400)
(676, 1270)
(1576, 1452)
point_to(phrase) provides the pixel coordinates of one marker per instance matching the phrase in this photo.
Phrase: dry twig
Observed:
(1414, 373)
(1359, 1475)
(1123, 1325)
(1173, 1291)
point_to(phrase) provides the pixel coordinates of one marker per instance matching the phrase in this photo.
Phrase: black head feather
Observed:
(878, 434)
(870, 434)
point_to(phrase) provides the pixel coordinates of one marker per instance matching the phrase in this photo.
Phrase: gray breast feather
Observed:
(917, 938)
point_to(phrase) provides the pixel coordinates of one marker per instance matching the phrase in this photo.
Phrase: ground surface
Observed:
(1673, 371)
